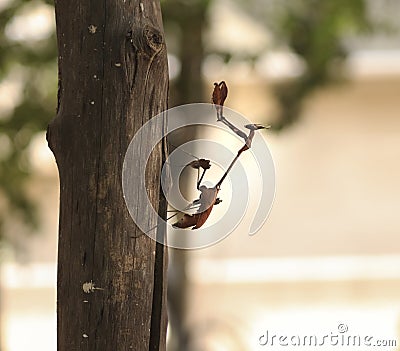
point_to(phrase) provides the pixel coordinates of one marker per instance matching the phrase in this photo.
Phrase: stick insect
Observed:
(209, 196)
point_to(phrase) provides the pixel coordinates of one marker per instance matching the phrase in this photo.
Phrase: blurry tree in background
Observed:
(185, 22)
(313, 31)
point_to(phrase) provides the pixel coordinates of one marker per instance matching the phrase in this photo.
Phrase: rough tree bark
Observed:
(113, 77)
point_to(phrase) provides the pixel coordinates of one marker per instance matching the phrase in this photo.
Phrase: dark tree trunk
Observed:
(113, 77)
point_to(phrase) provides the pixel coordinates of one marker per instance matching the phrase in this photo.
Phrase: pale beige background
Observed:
(330, 251)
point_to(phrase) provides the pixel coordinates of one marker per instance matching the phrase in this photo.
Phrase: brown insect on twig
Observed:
(208, 196)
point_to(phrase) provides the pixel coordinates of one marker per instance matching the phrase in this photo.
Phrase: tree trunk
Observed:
(113, 78)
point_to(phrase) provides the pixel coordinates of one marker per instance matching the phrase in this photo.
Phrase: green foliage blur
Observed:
(28, 76)
(311, 29)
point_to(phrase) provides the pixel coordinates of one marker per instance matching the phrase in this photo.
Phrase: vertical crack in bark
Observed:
(94, 248)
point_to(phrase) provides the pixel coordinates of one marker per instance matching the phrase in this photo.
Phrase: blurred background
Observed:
(326, 76)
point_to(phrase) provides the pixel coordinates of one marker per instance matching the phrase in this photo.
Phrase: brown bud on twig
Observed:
(202, 163)
(220, 93)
